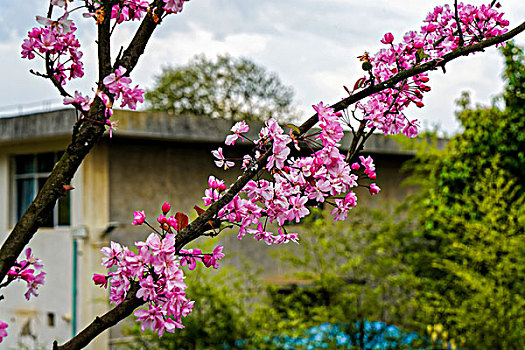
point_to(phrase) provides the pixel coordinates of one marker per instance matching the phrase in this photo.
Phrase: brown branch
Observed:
(136, 47)
(86, 137)
(430, 65)
(456, 16)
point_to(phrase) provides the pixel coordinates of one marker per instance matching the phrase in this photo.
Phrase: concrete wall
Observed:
(145, 174)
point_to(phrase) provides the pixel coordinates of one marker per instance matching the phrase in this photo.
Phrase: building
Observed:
(152, 158)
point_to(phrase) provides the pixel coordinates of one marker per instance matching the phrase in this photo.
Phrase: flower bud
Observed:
(166, 208)
(173, 223)
(388, 38)
(100, 280)
(138, 217)
(374, 189)
(162, 219)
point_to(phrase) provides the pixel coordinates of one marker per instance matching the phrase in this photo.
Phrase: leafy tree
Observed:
(471, 211)
(229, 88)
(348, 275)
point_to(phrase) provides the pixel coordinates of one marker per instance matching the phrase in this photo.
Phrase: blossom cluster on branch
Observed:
(441, 34)
(295, 182)
(24, 270)
(157, 268)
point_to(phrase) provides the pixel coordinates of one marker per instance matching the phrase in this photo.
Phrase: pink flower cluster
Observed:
(157, 268)
(119, 85)
(438, 36)
(174, 6)
(3, 332)
(56, 39)
(296, 182)
(25, 270)
(129, 10)
(83, 101)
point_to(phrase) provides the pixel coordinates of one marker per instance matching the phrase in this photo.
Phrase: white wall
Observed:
(54, 248)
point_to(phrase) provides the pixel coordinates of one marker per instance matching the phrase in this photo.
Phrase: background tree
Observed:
(470, 220)
(348, 276)
(227, 87)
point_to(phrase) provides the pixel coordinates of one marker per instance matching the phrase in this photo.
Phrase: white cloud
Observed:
(312, 45)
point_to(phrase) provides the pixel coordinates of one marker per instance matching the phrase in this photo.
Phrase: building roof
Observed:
(58, 124)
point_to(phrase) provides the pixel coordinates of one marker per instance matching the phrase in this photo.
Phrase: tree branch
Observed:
(86, 137)
(431, 65)
(456, 16)
(136, 47)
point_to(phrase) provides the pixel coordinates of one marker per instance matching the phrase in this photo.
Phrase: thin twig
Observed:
(456, 15)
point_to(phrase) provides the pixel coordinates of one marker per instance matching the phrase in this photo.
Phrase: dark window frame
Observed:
(29, 173)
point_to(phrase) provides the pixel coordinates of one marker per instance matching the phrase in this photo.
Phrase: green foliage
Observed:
(471, 256)
(344, 273)
(514, 75)
(229, 88)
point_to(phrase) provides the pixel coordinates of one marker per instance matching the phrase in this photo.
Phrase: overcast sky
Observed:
(311, 45)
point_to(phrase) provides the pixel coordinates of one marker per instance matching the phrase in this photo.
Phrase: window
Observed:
(31, 172)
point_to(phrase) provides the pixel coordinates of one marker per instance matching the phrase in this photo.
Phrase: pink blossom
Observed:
(210, 196)
(172, 222)
(374, 189)
(285, 237)
(138, 217)
(147, 289)
(221, 161)
(3, 332)
(237, 129)
(151, 318)
(83, 101)
(297, 210)
(216, 184)
(114, 80)
(173, 6)
(344, 205)
(213, 260)
(261, 234)
(34, 284)
(112, 126)
(112, 254)
(166, 208)
(388, 38)
(368, 163)
(100, 280)
(190, 258)
(160, 246)
(411, 128)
